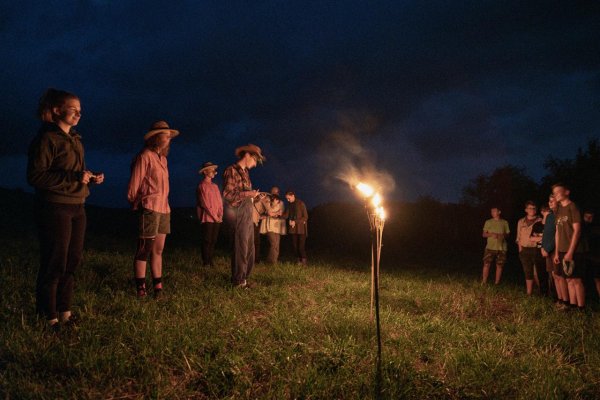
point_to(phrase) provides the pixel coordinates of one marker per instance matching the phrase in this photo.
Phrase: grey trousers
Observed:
(242, 259)
(274, 239)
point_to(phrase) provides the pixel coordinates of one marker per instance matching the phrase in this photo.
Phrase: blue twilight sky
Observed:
(427, 94)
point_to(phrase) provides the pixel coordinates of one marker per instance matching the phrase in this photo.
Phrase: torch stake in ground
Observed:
(376, 215)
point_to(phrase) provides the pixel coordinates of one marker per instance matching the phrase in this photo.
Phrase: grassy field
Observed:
(300, 333)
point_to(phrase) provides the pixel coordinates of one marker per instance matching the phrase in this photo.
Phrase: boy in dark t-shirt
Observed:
(568, 245)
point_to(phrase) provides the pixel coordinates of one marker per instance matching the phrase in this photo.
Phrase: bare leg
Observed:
(140, 269)
(486, 273)
(498, 273)
(579, 292)
(561, 287)
(571, 290)
(157, 250)
(529, 286)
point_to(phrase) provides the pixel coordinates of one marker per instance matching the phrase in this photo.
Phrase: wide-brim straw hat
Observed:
(251, 148)
(206, 166)
(160, 127)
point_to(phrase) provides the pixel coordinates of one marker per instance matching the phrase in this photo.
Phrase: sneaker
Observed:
(158, 294)
(141, 292)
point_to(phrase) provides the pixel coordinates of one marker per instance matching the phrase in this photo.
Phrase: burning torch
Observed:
(376, 215)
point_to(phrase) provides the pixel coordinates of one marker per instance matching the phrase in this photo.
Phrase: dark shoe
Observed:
(141, 292)
(158, 294)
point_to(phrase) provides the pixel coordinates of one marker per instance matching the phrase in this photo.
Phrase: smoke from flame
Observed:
(349, 161)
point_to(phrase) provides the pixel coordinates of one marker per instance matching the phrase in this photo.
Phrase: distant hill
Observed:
(425, 229)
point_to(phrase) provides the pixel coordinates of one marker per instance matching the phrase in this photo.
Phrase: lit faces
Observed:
(531, 210)
(552, 203)
(164, 139)
(211, 173)
(69, 113)
(495, 213)
(560, 193)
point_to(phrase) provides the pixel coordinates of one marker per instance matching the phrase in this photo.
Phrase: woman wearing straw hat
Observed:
(149, 195)
(209, 208)
(239, 197)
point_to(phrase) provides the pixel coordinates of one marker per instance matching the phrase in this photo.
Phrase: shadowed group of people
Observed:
(557, 249)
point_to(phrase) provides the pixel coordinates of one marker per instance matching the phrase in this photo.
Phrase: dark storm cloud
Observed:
(455, 89)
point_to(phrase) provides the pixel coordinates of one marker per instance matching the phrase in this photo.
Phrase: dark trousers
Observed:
(61, 229)
(274, 239)
(210, 233)
(242, 257)
(299, 243)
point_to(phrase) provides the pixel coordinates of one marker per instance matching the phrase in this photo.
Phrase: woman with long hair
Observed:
(57, 170)
(149, 195)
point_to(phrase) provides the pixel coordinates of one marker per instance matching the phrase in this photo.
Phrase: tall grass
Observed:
(302, 332)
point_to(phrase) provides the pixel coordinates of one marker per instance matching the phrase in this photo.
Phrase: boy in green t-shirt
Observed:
(496, 231)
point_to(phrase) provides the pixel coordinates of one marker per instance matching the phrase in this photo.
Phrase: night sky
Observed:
(428, 94)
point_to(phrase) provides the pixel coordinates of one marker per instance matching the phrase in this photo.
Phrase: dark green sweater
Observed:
(56, 165)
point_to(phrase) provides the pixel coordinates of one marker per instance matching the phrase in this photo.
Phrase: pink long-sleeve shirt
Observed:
(209, 204)
(149, 182)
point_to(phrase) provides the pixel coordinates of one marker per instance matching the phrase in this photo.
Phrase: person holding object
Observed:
(273, 225)
(569, 252)
(495, 230)
(209, 208)
(148, 194)
(529, 254)
(56, 169)
(297, 217)
(239, 200)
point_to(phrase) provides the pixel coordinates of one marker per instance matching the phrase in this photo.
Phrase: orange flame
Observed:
(365, 189)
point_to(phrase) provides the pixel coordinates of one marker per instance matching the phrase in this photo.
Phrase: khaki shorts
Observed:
(498, 255)
(151, 223)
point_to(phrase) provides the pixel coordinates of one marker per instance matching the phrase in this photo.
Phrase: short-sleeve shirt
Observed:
(565, 218)
(496, 226)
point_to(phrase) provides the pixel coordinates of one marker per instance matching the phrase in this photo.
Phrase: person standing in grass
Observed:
(273, 225)
(568, 250)
(495, 230)
(297, 218)
(592, 247)
(56, 169)
(148, 194)
(529, 254)
(556, 281)
(239, 200)
(209, 208)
